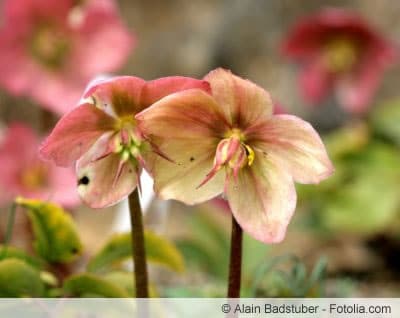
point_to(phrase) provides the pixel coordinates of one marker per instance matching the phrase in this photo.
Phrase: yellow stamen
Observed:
(235, 133)
(250, 155)
(49, 47)
(340, 54)
(34, 177)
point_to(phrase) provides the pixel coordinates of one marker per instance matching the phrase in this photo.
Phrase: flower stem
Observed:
(235, 263)
(138, 247)
(10, 224)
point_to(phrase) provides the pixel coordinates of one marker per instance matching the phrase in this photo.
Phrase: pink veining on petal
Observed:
(75, 133)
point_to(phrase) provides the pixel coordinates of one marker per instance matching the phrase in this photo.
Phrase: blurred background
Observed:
(344, 239)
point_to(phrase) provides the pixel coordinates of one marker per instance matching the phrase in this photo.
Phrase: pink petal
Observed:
(62, 186)
(105, 182)
(190, 114)
(295, 146)
(262, 199)
(315, 81)
(186, 127)
(75, 133)
(103, 41)
(356, 91)
(119, 96)
(159, 88)
(15, 134)
(242, 102)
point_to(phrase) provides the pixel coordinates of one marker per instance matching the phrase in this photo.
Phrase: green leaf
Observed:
(19, 279)
(385, 120)
(208, 244)
(12, 252)
(199, 256)
(90, 285)
(56, 237)
(369, 201)
(119, 248)
(346, 140)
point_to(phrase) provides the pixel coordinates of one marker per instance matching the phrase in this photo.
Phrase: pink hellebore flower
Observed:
(23, 173)
(338, 50)
(102, 136)
(231, 142)
(50, 50)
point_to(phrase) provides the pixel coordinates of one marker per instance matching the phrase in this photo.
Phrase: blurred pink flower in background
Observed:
(102, 137)
(50, 50)
(338, 50)
(23, 173)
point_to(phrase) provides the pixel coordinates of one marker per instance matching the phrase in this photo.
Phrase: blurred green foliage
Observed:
(363, 195)
(19, 279)
(56, 237)
(119, 248)
(57, 245)
(207, 250)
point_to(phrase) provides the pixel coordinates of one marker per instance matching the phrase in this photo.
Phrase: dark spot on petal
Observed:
(74, 250)
(84, 180)
(94, 101)
(191, 158)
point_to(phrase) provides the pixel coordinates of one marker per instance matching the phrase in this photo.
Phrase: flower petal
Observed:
(118, 96)
(356, 91)
(295, 146)
(180, 180)
(186, 128)
(187, 114)
(75, 133)
(105, 182)
(103, 41)
(159, 88)
(315, 81)
(242, 102)
(262, 199)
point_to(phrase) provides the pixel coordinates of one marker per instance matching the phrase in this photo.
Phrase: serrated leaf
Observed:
(13, 252)
(19, 279)
(119, 248)
(91, 285)
(56, 237)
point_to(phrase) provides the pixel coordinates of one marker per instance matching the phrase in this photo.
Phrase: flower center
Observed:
(127, 142)
(49, 47)
(340, 55)
(35, 177)
(232, 152)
